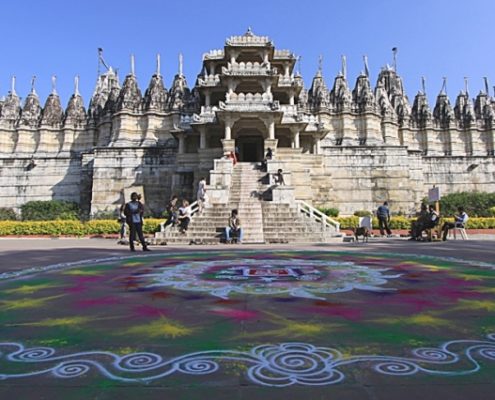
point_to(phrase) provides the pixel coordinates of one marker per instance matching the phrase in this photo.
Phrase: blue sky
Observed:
(435, 38)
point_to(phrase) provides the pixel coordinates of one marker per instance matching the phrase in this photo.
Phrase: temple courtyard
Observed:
(388, 319)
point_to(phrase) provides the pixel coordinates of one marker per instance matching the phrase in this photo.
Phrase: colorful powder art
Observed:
(275, 318)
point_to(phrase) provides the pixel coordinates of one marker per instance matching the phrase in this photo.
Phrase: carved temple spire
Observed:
(53, 112)
(179, 92)
(107, 86)
(421, 112)
(340, 95)
(318, 95)
(31, 112)
(11, 107)
(443, 114)
(362, 95)
(156, 96)
(130, 94)
(75, 113)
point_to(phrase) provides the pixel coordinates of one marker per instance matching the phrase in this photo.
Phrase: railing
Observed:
(318, 216)
(194, 207)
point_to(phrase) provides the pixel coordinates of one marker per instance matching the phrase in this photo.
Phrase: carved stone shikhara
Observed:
(349, 148)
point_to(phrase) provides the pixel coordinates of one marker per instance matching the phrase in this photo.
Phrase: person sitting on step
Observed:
(184, 216)
(233, 231)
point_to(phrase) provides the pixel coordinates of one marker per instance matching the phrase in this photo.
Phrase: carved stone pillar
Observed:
(228, 129)
(182, 143)
(207, 98)
(295, 139)
(271, 129)
(202, 137)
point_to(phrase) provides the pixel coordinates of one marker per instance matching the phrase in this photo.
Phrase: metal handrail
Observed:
(317, 215)
(194, 207)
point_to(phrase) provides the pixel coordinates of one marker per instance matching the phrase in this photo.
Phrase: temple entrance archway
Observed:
(250, 148)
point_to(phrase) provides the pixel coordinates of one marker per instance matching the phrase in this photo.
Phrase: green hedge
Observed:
(7, 214)
(72, 228)
(405, 223)
(476, 204)
(50, 210)
(151, 225)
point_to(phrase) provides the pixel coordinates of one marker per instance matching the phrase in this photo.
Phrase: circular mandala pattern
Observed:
(307, 278)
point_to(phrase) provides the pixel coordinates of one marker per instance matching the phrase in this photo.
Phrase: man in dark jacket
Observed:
(133, 212)
(383, 215)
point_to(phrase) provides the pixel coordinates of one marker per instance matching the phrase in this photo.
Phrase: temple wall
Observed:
(49, 178)
(364, 177)
(116, 169)
(459, 174)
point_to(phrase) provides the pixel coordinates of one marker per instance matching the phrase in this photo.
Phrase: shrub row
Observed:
(105, 227)
(69, 227)
(405, 223)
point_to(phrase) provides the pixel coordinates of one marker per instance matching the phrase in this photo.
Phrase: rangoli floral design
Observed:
(296, 277)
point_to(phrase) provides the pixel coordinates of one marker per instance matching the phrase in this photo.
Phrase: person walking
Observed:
(133, 212)
(383, 215)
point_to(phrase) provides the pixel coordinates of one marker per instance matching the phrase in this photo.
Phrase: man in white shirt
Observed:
(459, 222)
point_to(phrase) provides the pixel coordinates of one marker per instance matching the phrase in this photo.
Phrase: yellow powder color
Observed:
(82, 272)
(468, 277)
(486, 290)
(26, 303)
(131, 264)
(291, 328)
(29, 289)
(419, 319)
(485, 305)
(53, 322)
(162, 327)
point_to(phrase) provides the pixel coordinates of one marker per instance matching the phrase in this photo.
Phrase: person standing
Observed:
(133, 212)
(383, 215)
(201, 195)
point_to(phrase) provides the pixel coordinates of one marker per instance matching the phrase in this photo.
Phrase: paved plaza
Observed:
(388, 319)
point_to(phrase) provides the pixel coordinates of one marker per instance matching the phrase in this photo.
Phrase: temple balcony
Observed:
(249, 40)
(207, 115)
(249, 69)
(214, 55)
(289, 81)
(209, 81)
(250, 102)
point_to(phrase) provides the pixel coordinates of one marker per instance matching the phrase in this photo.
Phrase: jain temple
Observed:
(344, 143)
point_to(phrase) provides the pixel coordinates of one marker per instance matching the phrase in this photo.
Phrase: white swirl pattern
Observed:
(279, 365)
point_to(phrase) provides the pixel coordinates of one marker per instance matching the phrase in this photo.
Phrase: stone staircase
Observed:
(262, 221)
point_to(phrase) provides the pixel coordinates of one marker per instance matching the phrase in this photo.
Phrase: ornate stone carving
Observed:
(340, 96)
(362, 95)
(11, 108)
(179, 93)
(421, 112)
(443, 114)
(75, 114)
(53, 112)
(464, 110)
(318, 96)
(130, 96)
(31, 112)
(107, 87)
(384, 105)
(156, 96)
